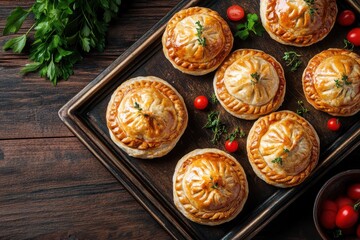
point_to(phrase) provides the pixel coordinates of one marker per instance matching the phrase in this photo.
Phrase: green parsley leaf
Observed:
(255, 77)
(15, 20)
(252, 24)
(17, 44)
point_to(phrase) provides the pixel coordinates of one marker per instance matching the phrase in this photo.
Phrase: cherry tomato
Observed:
(201, 102)
(346, 217)
(343, 201)
(353, 191)
(353, 36)
(329, 205)
(333, 124)
(231, 146)
(235, 13)
(346, 18)
(327, 219)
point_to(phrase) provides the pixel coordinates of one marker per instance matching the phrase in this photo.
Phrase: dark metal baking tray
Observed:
(149, 181)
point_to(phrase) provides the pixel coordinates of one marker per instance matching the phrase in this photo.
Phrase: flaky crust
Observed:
(283, 148)
(297, 22)
(209, 186)
(240, 93)
(182, 48)
(146, 117)
(324, 86)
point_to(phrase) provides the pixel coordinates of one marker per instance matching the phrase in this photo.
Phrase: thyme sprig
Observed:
(255, 77)
(217, 127)
(302, 109)
(200, 29)
(293, 60)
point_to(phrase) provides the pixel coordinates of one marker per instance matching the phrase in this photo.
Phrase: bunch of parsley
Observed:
(63, 31)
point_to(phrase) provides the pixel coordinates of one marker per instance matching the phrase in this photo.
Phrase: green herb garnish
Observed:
(252, 24)
(301, 110)
(217, 127)
(137, 106)
(311, 3)
(214, 99)
(255, 77)
(277, 160)
(348, 45)
(63, 31)
(292, 60)
(236, 133)
(215, 185)
(344, 81)
(286, 150)
(200, 29)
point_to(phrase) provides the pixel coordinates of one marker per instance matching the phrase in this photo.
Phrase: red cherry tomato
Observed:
(235, 13)
(327, 219)
(353, 36)
(333, 124)
(231, 146)
(346, 217)
(201, 102)
(329, 205)
(353, 191)
(343, 201)
(346, 18)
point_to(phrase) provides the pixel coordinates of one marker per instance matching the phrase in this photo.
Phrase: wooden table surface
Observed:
(51, 186)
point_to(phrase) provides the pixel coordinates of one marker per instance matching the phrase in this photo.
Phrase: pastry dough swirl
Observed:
(146, 117)
(210, 186)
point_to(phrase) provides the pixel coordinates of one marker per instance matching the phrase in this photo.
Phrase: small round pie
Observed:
(209, 186)
(331, 82)
(283, 148)
(146, 117)
(250, 83)
(196, 40)
(298, 22)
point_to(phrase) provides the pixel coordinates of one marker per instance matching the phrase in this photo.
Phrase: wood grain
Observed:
(51, 186)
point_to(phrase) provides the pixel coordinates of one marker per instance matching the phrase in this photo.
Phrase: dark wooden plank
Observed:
(29, 105)
(54, 188)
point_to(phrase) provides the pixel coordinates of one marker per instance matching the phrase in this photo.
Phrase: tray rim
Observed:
(70, 114)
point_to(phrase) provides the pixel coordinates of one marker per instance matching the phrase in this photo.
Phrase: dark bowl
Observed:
(333, 188)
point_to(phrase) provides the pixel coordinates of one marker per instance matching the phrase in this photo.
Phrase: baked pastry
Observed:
(331, 82)
(250, 83)
(283, 148)
(196, 40)
(209, 186)
(298, 22)
(146, 117)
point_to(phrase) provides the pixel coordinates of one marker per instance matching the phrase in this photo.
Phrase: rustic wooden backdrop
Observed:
(51, 187)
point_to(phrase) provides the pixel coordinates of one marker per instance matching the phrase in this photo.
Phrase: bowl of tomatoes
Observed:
(336, 209)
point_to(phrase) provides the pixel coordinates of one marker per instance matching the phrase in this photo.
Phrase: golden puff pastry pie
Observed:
(283, 148)
(298, 22)
(331, 82)
(209, 186)
(250, 83)
(196, 40)
(146, 117)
